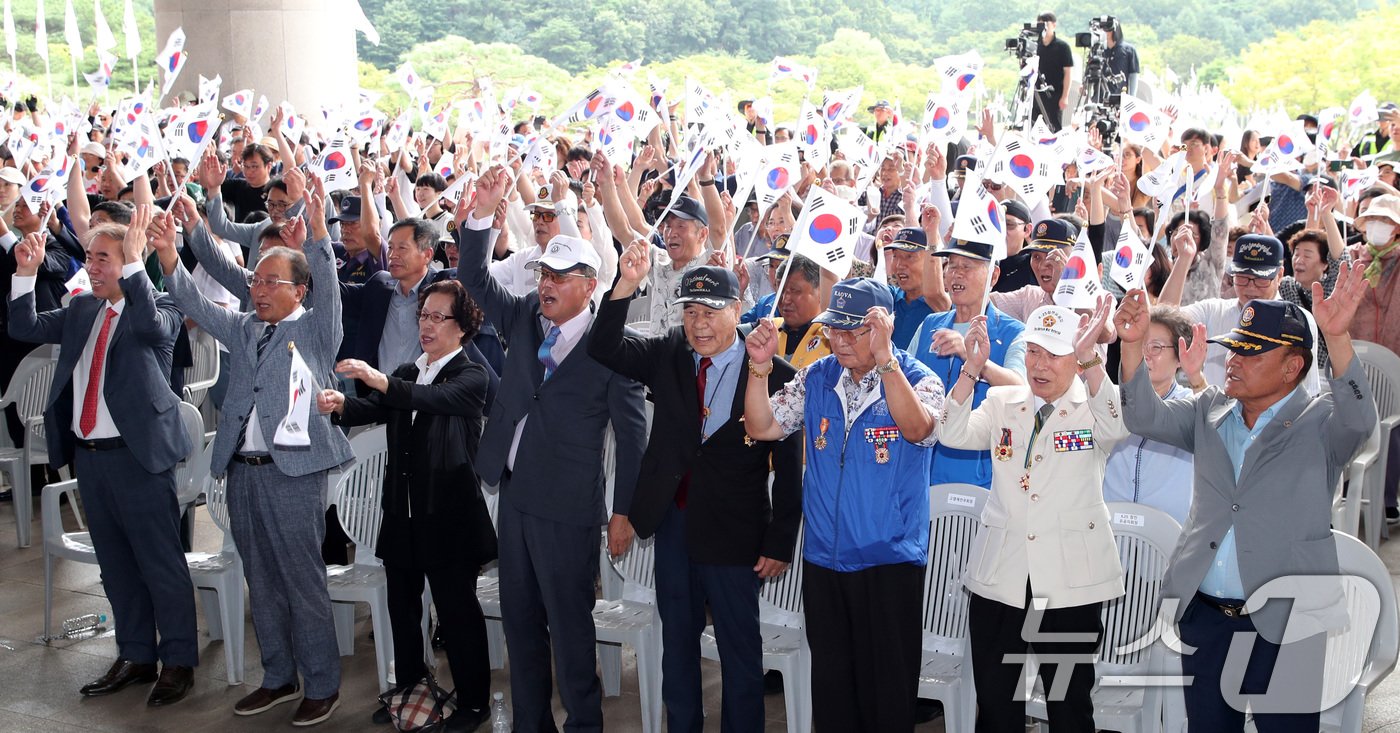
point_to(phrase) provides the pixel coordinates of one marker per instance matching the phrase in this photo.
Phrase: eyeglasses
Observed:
(278, 205)
(254, 282)
(95, 169)
(840, 334)
(1154, 349)
(544, 216)
(1243, 281)
(558, 278)
(433, 316)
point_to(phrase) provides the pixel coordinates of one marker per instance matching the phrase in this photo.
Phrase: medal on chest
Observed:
(820, 440)
(1003, 449)
(880, 438)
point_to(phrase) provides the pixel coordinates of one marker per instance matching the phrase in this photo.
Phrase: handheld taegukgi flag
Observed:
(70, 32)
(335, 165)
(172, 59)
(294, 431)
(980, 218)
(945, 119)
(191, 131)
(827, 232)
(240, 103)
(813, 136)
(1079, 283)
(785, 68)
(779, 173)
(1140, 123)
(143, 144)
(960, 72)
(104, 39)
(1131, 259)
(48, 184)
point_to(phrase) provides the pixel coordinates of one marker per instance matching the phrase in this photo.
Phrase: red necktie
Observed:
(88, 420)
(684, 488)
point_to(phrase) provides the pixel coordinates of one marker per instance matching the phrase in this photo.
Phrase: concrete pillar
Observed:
(302, 51)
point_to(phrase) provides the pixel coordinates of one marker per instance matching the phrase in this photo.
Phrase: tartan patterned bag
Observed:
(422, 707)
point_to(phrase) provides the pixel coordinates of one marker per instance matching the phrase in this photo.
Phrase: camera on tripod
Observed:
(1026, 43)
(1097, 36)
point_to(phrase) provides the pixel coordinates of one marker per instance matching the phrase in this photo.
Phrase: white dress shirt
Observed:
(253, 441)
(570, 333)
(428, 371)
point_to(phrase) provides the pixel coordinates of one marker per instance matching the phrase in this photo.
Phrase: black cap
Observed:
(1258, 255)
(1014, 207)
(1051, 234)
(688, 208)
(965, 162)
(909, 239)
(349, 210)
(712, 287)
(882, 104)
(1307, 119)
(1266, 325)
(964, 248)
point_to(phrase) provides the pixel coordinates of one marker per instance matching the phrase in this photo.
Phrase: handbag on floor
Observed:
(422, 707)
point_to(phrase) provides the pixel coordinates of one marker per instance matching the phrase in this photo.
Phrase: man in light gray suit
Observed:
(1267, 456)
(544, 443)
(276, 494)
(111, 415)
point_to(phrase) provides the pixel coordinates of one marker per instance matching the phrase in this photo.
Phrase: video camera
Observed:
(1101, 89)
(1026, 43)
(1097, 36)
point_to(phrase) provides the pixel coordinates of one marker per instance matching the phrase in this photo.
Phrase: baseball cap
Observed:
(1266, 325)
(11, 174)
(851, 299)
(543, 200)
(1052, 327)
(1051, 234)
(1014, 207)
(882, 104)
(712, 287)
(1257, 254)
(564, 253)
(688, 208)
(778, 251)
(964, 248)
(94, 149)
(965, 162)
(909, 239)
(349, 210)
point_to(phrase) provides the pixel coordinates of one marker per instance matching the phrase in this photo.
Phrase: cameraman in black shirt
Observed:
(1056, 64)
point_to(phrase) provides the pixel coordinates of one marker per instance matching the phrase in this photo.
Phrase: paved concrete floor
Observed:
(39, 683)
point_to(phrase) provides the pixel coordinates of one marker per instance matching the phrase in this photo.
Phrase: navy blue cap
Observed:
(1051, 234)
(882, 104)
(712, 287)
(1266, 325)
(1017, 209)
(964, 248)
(349, 210)
(778, 251)
(688, 208)
(909, 239)
(1259, 255)
(852, 299)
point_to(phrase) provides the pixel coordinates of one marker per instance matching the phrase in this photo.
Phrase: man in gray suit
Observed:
(1267, 456)
(111, 415)
(544, 444)
(277, 494)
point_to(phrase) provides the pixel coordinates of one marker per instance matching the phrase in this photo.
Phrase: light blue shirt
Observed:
(398, 344)
(1223, 578)
(720, 385)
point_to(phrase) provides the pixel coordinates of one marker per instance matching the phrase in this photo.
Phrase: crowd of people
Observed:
(509, 306)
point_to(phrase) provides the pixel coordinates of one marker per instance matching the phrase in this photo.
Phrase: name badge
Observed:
(1074, 440)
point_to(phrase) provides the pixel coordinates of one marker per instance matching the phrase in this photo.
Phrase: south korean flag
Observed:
(827, 232)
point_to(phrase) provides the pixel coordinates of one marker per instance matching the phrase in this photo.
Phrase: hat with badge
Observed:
(1259, 255)
(1052, 327)
(710, 286)
(909, 239)
(1266, 325)
(965, 163)
(689, 208)
(965, 248)
(349, 210)
(564, 253)
(779, 251)
(882, 104)
(1051, 234)
(852, 299)
(544, 200)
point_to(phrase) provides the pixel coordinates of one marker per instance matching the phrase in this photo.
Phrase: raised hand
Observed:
(1193, 355)
(315, 198)
(137, 234)
(1259, 223)
(294, 234)
(762, 342)
(212, 171)
(186, 212)
(558, 186)
(1086, 338)
(1334, 313)
(977, 345)
(881, 325)
(29, 254)
(635, 263)
(1132, 318)
(329, 401)
(935, 164)
(491, 187)
(356, 369)
(1184, 242)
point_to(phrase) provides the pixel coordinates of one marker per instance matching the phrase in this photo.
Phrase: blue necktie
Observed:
(546, 355)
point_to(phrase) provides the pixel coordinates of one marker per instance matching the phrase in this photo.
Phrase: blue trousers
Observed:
(683, 588)
(278, 522)
(1210, 631)
(135, 527)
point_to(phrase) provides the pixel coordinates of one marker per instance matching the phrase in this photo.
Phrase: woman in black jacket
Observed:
(435, 521)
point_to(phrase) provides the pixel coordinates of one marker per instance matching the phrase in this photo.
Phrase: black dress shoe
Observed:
(772, 682)
(174, 682)
(122, 674)
(381, 716)
(466, 720)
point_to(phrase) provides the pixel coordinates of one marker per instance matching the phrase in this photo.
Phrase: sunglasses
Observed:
(544, 216)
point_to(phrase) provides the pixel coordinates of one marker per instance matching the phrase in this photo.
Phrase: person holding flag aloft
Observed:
(276, 489)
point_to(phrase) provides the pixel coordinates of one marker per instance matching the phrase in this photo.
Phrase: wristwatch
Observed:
(1090, 364)
(888, 366)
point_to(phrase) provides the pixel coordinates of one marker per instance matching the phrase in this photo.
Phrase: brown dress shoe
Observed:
(311, 712)
(122, 674)
(174, 682)
(266, 698)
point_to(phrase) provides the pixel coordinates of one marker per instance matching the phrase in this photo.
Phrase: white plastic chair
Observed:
(218, 578)
(632, 620)
(204, 373)
(356, 497)
(1145, 537)
(1382, 369)
(945, 674)
(77, 546)
(1348, 646)
(29, 390)
(1364, 478)
(488, 589)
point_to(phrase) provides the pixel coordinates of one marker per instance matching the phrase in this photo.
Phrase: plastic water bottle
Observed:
(500, 714)
(82, 625)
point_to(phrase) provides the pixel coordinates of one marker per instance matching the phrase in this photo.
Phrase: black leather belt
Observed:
(99, 443)
(252, 460)
(1231, 610)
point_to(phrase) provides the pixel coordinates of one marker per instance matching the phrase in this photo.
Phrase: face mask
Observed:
(1378, 233)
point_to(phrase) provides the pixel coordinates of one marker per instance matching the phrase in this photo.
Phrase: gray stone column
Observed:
(299, 50)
